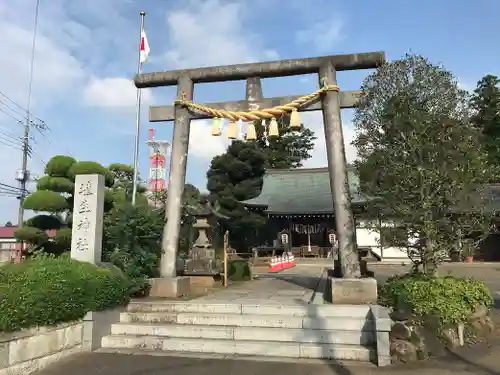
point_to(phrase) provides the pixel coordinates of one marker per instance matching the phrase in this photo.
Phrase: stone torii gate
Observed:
(169, 285)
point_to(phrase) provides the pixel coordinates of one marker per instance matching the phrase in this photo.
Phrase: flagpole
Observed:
(138, 117)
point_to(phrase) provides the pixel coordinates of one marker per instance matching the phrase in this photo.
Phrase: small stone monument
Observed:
(201, 259)
(88, 213)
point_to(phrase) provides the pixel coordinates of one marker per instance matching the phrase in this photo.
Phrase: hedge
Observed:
(48, 291)
(452, 300)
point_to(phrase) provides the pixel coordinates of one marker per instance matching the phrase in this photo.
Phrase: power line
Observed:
(26, 148)
(9, 142)
(7, 131)
(18, 110)
(11, 191)
(12, 101)
(8, 186)
(15, 110)
(10, 137)
(11, 116)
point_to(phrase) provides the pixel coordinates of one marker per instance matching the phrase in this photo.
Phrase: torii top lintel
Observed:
(269, 69)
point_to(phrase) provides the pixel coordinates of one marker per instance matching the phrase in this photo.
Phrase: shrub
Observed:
(57, 184)
(132, 242)
(47, 291)
(44, 222)
(450, 299)
(239, 270)
(46, 200)
(31, 235)
(59, 165)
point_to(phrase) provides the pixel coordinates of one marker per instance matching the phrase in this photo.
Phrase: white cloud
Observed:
(114, 92)
(201, 142)
(323, 36)
(314, 121)
(212, 32)
(55, 70)
(322, 30)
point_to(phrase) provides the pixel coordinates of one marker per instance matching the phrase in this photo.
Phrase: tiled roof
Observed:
(300, 191)
(8, 232)
(307, 191)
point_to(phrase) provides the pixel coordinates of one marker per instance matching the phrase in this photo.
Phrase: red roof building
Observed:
(8, 244)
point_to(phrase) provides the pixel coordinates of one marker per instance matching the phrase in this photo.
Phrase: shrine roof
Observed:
(300, 191)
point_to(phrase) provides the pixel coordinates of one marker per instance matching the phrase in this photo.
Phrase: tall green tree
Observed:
(485, 103)
(237, 175)
(422, 159)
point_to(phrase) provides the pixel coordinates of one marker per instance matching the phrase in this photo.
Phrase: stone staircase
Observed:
(236, 329)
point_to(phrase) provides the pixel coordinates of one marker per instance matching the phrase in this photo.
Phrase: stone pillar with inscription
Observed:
(88, 213)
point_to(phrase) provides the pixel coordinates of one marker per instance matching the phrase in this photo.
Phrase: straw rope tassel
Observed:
(273, 128)
(295, 120)
(232, 130)
(251, 133)
(216, 127)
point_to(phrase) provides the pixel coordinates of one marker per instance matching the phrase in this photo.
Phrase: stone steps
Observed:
(247, 320)
(241, 347)
(342, 332)
(245, 333)
(355, 311)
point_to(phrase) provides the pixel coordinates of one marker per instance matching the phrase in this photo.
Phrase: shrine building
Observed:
(300, 201)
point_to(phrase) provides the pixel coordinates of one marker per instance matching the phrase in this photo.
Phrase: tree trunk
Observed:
(429, 265)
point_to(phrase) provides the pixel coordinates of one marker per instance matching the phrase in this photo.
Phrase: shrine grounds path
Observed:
(482, 359)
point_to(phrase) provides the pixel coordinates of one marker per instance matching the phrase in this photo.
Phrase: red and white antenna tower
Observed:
(157, 158)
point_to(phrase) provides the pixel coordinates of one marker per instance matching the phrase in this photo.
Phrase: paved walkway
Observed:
(279, 289)
(128, 364)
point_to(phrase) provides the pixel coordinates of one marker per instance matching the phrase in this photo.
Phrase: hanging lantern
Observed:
(295, 120)
(232, 130)
(273, 128)
(216, 127)
(251, 133)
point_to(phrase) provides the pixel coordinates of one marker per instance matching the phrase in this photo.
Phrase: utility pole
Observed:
(23, 175)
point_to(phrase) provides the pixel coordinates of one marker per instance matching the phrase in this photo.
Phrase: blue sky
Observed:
(86, 56)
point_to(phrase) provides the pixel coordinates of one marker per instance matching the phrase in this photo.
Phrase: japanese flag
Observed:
(144, 53)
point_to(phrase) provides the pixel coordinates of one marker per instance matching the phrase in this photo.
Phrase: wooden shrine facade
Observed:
(299, 201)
